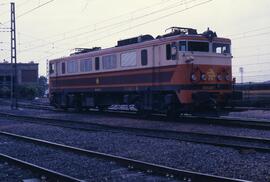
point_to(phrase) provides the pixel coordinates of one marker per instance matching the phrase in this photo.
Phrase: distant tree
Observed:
(27, 91)
(42, 86)
(4, 91)
(33, 90)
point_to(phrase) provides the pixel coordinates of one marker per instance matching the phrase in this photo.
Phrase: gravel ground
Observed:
(82, 167)
(139, 123)
(228, 162)
(11, 173)
(252, 114)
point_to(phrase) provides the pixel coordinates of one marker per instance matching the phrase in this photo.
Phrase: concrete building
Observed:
(27, 73)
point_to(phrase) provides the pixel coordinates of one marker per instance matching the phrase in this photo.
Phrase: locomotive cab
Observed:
(208, 69)
(204, 65)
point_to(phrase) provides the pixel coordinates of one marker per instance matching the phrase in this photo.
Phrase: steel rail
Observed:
(52, 175)
(263, 144)
(235, 122)
(132, 163)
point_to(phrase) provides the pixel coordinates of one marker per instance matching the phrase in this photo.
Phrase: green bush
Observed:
(27, 92)
(4, 91)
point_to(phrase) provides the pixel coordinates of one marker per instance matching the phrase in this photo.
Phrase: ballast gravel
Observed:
(228, 162)
(10, 173)
(252, 114)
(140, 123)
(69, 163)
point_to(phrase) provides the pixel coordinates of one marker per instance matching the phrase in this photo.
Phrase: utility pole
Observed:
(241, 70)
(13, 61)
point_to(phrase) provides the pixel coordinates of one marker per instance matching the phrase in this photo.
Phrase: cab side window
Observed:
(182, 46)
(52, 68)
(220, 48)
(168, 52)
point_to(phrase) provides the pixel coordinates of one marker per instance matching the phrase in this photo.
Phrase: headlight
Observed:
(227, 77)
(203, 77)
(219, 77)
(193, 77)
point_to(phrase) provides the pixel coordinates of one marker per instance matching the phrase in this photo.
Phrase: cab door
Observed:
(163, 56)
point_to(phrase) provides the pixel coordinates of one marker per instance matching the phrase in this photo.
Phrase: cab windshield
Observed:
(194, 46)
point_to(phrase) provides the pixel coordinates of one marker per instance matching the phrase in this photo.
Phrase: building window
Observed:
(97, 63)
(63, 68)
(168, 52)
(198, 46)
(182, 46)
(128, 59)
(221, 48)
(86, 65)
(72, 66)
(29, 76)
(144, 57)
(109, 62)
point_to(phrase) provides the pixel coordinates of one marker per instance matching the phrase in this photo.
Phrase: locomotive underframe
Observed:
(160, 101)
(148, 100)
(203, 100)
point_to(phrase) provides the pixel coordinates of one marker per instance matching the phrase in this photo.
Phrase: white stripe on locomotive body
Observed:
(156, 52)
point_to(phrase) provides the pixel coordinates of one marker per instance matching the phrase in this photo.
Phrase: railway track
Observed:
(234, 122)
(44, 172)
(237, 142)
(182, 175)
(201, 119)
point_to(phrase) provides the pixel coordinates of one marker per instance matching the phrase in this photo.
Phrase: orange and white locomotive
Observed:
(175, 72)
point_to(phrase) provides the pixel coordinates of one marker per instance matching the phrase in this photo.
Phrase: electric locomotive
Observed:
(176, 72)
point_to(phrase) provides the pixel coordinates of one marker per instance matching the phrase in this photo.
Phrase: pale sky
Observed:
(48, 29)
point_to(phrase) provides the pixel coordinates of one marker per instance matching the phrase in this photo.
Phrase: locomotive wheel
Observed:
(78, 108)
(102, 108)
(143, 113)
(171, 112)
(64, 108)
